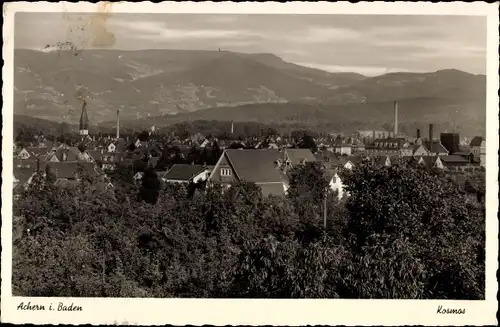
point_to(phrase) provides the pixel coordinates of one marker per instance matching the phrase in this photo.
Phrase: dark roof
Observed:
(183, 172)
(415, 147)
(37, 151)
(428, 160)
(476, 141)
(340, 161)
(276, 189)
(297, 156)
(30, 162)
(22, 175)
(330, 172)
(454, 159)
(95, 154)
(258, 166)
(380, 160)
(68, 169)
(355, 159)
(436, 147)
(121, 145)
(463, 153)
(153, 161)
(59, 154)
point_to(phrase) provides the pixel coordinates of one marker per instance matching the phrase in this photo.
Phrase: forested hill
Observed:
(163, 82)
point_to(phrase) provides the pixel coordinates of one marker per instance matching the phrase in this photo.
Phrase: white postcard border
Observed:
(257, 312)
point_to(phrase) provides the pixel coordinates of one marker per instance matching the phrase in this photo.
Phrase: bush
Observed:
(403, 233)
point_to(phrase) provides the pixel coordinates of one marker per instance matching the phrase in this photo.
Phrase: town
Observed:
(264, 161)
(134, 217)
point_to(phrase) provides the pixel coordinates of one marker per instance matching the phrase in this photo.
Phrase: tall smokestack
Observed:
(431, 131)
(418, 133)
(395, 118)
(117, 124)
(232, 127)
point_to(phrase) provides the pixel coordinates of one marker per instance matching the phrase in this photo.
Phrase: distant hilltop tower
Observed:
(117, 124)
(84, 120)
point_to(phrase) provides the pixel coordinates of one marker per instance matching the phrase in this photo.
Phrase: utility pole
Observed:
(324, 209)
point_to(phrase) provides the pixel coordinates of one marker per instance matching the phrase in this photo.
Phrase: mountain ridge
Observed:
(55, 81)
(180, 83)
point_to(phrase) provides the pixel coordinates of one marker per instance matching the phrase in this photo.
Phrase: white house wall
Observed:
(337, 186)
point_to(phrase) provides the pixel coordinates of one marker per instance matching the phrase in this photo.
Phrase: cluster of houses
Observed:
(266, 167)
(265, 162)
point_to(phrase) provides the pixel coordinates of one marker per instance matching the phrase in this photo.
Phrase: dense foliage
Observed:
(403, 233)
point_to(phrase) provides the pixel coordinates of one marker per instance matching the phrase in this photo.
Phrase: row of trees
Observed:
(27, 134)
(404, 232)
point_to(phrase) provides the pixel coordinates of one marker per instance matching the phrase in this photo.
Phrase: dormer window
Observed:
(225, 172)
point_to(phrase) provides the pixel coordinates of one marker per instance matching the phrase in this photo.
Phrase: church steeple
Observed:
(84, 120)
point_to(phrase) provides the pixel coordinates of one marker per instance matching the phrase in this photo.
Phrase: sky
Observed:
(366, 44)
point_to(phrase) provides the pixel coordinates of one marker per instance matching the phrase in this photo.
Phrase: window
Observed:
(225, 172)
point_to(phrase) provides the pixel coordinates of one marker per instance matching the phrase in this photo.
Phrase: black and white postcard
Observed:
(250, 163)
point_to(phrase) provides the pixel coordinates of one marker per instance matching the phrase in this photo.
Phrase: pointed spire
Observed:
(84, 120)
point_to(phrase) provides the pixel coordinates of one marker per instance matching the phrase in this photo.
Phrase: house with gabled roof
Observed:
(475, 145)
(62, 155)
(71, 170)
(256, 166)
(111, 147)
(334, 182)
(435, 148)
(184, 173)
(205, 143)
(35, 151)
(383, 161)
(293, 157)
(419, 150)
(22, 179)
(24, 154)
(457, 162)
(430, 162)
(341, 146)
(334, 166)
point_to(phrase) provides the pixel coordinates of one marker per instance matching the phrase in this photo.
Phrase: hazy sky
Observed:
(368, 44)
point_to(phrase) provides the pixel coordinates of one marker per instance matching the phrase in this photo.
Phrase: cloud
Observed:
(365, 70)
(325, 34)
(369, 44)
(161, 31)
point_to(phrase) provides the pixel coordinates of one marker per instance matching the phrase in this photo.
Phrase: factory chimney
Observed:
(117, 124)
(431, 135)
(232, 127)
(418, 133)
(395, 118)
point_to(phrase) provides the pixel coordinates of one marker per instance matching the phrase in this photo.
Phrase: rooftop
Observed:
(258, 166)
